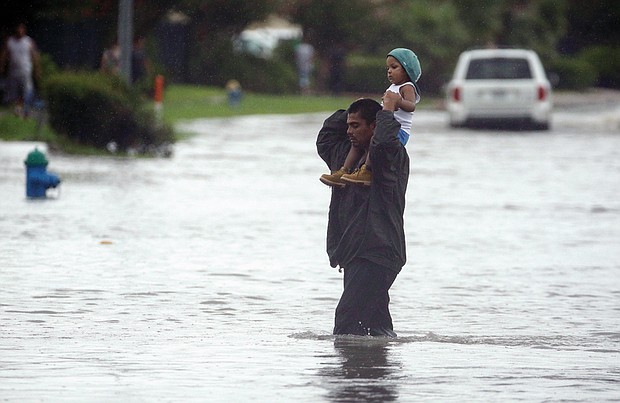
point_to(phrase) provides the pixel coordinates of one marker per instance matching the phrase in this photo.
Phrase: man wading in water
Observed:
(365, 233)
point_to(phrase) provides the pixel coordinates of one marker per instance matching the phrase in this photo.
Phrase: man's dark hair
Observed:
(367, 108)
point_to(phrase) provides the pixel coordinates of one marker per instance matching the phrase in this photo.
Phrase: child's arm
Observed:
(407, 102)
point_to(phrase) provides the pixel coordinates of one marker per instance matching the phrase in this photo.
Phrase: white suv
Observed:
(499, 88)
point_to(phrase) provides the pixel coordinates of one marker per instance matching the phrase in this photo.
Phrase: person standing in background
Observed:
(139, 62)
(21, 55)
(304, 58)
(111, 59)
(337, 61)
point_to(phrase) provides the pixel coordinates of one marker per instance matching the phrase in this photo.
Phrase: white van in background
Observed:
(499, 88)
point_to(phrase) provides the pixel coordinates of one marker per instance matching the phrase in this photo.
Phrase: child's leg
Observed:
(362, 176)
(334, 178)
(403, 136)
(353, 158)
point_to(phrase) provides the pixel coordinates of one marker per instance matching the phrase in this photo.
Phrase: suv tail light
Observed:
(542, 93)
(456, 94)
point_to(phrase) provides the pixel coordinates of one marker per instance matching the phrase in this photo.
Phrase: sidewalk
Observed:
(591, 98)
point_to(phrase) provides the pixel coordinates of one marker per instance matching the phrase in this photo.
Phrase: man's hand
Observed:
(391, 100)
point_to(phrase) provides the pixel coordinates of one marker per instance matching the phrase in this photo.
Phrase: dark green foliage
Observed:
(220, 63)
(366, 75)
(47, 68)
(95, 109)
(437, 30)
(593, 66)
(574, 73)
(592, 23)
(267, 76)
(606, 60)
(329, 22)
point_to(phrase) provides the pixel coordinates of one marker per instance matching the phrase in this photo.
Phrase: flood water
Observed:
(203, 277)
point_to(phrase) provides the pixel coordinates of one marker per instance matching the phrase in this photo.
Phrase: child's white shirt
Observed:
(403, 117)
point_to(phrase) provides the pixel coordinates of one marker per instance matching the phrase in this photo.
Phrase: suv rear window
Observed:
(498, 68)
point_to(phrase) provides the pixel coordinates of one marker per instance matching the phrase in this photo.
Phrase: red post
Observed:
(159, 96)
(159, 88)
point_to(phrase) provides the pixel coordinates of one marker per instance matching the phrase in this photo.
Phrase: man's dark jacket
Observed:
(367, 221)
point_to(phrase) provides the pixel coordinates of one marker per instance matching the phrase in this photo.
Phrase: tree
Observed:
(335, 24)
(591, 24)
(533, 24)
(432, 29)
(212, 24)
(331, 22)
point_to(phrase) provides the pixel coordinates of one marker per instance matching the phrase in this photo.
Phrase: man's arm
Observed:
(387, 154)
(332, 143)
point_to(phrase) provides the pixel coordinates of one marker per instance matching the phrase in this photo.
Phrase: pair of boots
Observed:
(341, 177)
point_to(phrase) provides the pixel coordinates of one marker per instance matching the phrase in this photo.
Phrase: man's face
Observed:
(359, 131)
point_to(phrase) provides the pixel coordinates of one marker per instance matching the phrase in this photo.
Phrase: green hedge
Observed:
(94, 109)
(606, 61)
(574, 73)
(217, 64)
(366, 74)
(268, 76)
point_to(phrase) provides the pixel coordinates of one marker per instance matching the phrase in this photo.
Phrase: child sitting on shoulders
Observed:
(403, 72)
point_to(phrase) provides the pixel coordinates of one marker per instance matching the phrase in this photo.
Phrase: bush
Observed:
(606, 61)
(268, 76)
(219, 63)
(95, 109)
(574, 73)
(47, 69)
(365, 74)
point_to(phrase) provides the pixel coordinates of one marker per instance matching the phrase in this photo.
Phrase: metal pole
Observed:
(125, 37)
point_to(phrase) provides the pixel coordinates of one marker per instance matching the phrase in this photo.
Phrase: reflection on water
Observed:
(364, 371)
(204, 276)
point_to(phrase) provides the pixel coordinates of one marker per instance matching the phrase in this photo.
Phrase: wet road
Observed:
(203, 277)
